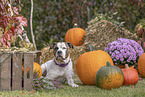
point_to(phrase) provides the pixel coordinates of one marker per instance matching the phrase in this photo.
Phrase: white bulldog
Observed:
(61, 64)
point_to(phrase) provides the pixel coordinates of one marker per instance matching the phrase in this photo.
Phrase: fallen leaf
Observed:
(140, 79)
(31, 92)
(23, 93)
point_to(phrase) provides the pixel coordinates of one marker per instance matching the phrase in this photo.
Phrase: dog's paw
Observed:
(75, 85)
(41, 77)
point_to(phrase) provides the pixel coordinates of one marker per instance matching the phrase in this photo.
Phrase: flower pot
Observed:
(120, 66)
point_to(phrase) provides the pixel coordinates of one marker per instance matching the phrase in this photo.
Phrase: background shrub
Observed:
(52, 18)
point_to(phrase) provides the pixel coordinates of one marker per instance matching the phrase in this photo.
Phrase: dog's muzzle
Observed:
(60, 56)
(59, 52)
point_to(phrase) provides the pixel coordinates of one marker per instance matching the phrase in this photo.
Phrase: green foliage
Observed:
(140, 28)
(52, 18)
(129, 11)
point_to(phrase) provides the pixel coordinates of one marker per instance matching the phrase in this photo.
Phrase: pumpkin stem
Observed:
(81, 41)
(75, 25)
(108, 63)
(91, 48)
(126, 66)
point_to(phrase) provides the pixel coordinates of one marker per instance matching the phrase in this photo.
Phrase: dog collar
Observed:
(62, 65)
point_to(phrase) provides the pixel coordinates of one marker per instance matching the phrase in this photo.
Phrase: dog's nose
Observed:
(59, 52)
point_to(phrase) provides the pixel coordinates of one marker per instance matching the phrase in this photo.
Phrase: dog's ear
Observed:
(70, 45)
(53, 45)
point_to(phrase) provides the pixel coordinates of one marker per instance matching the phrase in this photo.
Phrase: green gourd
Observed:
(109, 76)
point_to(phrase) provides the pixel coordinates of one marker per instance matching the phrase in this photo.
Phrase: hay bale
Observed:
(99, 34)
(47, 54)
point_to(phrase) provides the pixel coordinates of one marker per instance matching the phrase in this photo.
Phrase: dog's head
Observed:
(60, 50)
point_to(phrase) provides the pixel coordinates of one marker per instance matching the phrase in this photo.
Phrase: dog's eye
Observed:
(56, 48)
(64, 48)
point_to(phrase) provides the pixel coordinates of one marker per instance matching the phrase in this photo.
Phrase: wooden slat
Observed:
(37, 58)
(17, 71)
(28, 63)
(5, 72)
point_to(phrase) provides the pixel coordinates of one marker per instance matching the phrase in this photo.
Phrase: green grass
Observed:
(83, 91)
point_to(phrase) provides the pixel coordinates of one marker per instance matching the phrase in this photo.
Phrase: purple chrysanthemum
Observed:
(117, 57)
(124, 51)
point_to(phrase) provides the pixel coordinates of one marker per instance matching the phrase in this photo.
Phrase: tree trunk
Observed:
(33, 39)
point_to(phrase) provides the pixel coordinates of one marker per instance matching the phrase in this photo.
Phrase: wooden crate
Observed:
(11, 70)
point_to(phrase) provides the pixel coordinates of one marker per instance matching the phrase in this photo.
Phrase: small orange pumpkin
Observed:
(36, 69)
(89, 63)
(75, 36)
(141, 65)
(131, 77)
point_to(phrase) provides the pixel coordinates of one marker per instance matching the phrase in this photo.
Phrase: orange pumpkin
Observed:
(141, 65)
(131, 77)
(36, 69)
(75, 36)
(89, 63)
(132, 67)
